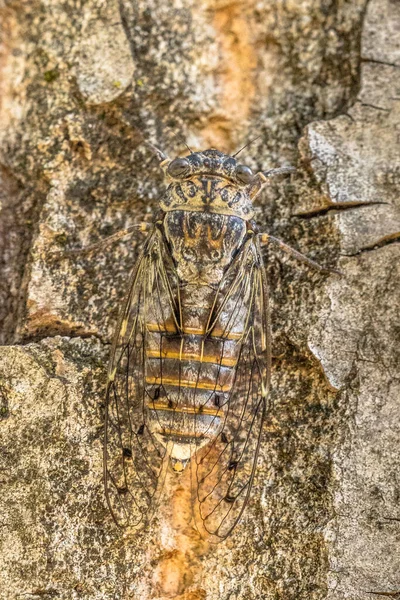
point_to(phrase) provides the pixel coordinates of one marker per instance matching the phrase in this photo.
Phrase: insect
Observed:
(189, 374)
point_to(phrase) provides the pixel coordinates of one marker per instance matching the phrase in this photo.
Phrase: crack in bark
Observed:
(317, 212)
(387, 240)
(375, 107)
(388, 594)
(380, 62)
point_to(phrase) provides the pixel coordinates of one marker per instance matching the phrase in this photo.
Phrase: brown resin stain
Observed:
(235, 74)
(42, 321)
(179, 571)
(173, 575)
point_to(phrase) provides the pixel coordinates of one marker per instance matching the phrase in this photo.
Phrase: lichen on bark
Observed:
(82, 85)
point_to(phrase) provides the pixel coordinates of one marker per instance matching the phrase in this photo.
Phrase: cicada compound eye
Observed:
(179, 167)
(244, 174)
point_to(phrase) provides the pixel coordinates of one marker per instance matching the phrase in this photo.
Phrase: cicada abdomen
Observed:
(189, 372)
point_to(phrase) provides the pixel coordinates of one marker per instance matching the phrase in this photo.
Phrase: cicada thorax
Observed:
(208, 193)
(192, 351)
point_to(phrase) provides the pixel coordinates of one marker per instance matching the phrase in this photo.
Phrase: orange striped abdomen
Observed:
(189, 374)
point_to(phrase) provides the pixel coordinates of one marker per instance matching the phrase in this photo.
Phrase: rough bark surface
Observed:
(82, 83)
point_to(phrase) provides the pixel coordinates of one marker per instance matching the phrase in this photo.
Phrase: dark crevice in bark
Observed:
(339, 206)
(379, 62)
(374, 106)
(385, 241)
(387, 594)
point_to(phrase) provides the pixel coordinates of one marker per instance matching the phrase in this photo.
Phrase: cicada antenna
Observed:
(245, 146)
(156, 151)
(179, 136)
(159, 153)
(279, 171)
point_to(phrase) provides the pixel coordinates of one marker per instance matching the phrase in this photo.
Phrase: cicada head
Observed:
(208, 181)
(212, 163)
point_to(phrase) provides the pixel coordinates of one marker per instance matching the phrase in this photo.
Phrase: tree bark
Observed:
(83, 84)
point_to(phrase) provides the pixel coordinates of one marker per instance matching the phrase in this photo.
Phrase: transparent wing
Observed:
(223, 471)
(134, 462)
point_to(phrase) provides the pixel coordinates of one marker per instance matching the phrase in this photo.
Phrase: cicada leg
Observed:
(141, 228)
(266, 238)
(261, 179)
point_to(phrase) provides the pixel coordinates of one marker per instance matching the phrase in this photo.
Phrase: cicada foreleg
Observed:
(261, 179)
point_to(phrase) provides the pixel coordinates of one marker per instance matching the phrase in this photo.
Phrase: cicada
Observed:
(190, 368)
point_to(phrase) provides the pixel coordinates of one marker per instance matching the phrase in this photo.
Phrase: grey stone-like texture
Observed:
(82, 84)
